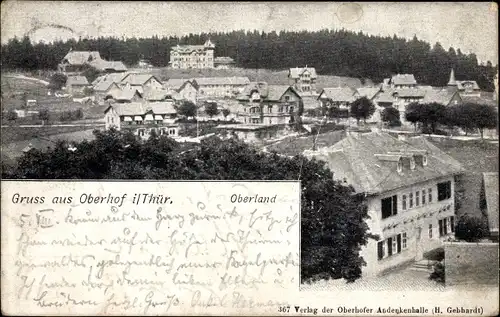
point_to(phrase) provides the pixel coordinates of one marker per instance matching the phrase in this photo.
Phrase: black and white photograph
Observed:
(384, 115)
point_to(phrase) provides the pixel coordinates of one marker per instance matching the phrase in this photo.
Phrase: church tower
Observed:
(452, 81)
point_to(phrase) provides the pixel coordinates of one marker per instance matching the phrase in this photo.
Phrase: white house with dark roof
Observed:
(184, 89)
(303, 79)
(465, 87)
(141, 81)
(409, 187)
(261, 103)
(399, 81)
(142, 118)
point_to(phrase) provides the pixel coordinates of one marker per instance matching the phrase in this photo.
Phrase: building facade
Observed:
(192, 56)
(303, 80)
(413, 210)
(268, 104)
(143, 119)
(219, 87)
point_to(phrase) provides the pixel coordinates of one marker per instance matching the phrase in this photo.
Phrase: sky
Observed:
(472, 27)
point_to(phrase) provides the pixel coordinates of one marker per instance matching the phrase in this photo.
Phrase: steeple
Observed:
(452, 81)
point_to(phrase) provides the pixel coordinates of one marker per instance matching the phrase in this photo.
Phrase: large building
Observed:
(303, 79)
(261, 103)
(78, 61)
(219, 87)
(192, 56)
(409, 186)
(142, 119)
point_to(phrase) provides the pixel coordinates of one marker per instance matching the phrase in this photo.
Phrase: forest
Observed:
(331, 52)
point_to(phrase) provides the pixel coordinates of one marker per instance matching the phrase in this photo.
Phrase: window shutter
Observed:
(389, 246)
(380, 247)
(395, 205)
(399, 243)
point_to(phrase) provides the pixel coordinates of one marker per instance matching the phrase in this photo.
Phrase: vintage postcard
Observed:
(249, 158)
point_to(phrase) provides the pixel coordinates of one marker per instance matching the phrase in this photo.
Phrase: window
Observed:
(417, 198)
(452, 223)
(444, 190)
(270, 109)
(430, 231)
(430, 195)
(411, 200)
(443, 226)
(404, 202)
(389, 206)
(423, 196)
(287, 98)
(392, 246)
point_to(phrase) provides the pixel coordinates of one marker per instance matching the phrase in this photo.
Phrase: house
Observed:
(399, 81)
(77, 61)
(444, 96)
(108, 66)
(489, 202)
(222, 87)
(409, 188)
(192, 56)
(251, 133)
(224, 62)
(338, 98)
(142, 119)
(141, 82)
(261, 103)
(465, 87)
(158, 95)
(184, 89)
(124, 95)
(303, 80)
(76, 84)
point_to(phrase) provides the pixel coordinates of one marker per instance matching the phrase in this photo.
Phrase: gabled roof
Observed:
(104, 86)
(156, 94)
(275, 92)
(461, 84)
(338, 94)
(140, 108)
(233, 81)
(81, 57)
(109, 65)
(403, 79)
(102, 83)
(409, 93)
(355, 158)
(77, 81)
(490, 182)
(298, 71)
(480, 100)
(442, 96)
(136, 79)
(368, 92)
(385, 97)
(175, 83)
(125, 94)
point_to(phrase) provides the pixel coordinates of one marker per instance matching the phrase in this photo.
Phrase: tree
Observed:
(187, 109)
(57, 81)
(226, 112)
(483, 117)
(413, 113)
(362, 108)
(333, 226)
(44, 115)
(91, 73)
(391, 116)
(211, 109)
(11, 115)
(471, 228)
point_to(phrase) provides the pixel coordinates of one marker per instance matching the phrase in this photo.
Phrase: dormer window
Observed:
(400, 166)
(424, 160)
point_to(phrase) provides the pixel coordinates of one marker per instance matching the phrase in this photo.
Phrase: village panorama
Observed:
(394, 139)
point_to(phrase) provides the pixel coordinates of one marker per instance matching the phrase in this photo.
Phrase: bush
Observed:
(438, 274)
(471, 228)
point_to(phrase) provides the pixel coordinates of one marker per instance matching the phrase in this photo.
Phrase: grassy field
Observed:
(16, 134)
(297, 145)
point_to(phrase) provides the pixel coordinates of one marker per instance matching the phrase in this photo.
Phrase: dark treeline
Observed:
(331, 52)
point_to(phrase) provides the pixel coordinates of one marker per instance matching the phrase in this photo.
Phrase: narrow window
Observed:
(452, 223)
(430, 195)
(417, 198)
(405, 241)
(411, 200)
(423, 196)
(404, 202)
(389, 247)
(398, 244)
(430, 231)
(380, 250)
